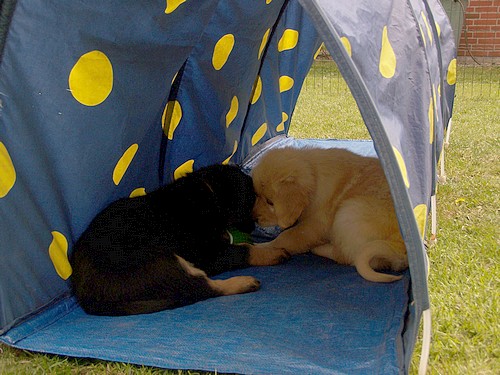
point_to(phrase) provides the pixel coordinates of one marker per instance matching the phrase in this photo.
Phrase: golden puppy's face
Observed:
(264, 211)
(283, 187)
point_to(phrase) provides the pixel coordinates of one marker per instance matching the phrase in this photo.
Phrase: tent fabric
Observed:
(97, 125)
(101, 100)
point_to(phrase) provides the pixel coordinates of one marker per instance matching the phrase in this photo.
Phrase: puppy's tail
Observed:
(387, 255)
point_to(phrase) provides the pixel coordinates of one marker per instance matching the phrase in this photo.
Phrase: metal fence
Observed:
(478, 80)
(472, 80)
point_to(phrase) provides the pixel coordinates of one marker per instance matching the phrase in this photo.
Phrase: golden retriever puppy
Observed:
(331, 202)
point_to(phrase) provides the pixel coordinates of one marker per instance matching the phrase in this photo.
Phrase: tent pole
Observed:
(448, 131)
(433, 238)
(426, 343)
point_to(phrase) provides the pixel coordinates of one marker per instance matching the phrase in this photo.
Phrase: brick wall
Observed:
(482, 22)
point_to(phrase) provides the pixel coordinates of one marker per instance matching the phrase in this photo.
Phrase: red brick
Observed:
(471, 16)
(469, 35)
(489, 15)
(486, 9)
(475, 28)
(479, 3)
(485, 34)
(490, 41)
(472, 42)
(483, 22)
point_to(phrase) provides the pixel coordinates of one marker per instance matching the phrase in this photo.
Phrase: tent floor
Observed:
(311, 316)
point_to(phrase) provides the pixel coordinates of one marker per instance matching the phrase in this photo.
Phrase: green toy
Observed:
(236, 236)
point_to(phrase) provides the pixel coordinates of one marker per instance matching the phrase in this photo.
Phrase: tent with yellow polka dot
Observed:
(107, 99)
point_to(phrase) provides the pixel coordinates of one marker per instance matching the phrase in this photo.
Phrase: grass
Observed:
(464, 281)
(465, 277)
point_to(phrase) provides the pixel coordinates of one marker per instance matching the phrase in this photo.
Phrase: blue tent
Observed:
(106, 99)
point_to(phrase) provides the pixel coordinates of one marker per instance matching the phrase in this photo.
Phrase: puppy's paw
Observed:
(237, 285)
(263, 255)
(251, 284)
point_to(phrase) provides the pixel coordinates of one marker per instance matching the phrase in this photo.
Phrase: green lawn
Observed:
(465, 273)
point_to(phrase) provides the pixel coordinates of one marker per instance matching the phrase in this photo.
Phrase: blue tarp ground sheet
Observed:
(311, 316)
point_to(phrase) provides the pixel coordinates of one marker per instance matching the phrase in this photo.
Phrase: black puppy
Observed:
(154, 252)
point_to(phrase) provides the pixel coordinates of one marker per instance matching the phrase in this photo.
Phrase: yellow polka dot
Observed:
(173, 78)
(261, 131)
(438, 28)
(285, 83)
(317, 52)
(431, 121)
(402, 166)
(7, 171)
(235, 147)
(171, 118)
(429, 31)
(387, 64)
(184, 169)
(420, 213)
(91, 79)
(422, 34)
(281, 125)
(233, 111)
(347, 45)
(124, 162)
(288, 40)
(139, 192)
(264, 42)
(434, 96)
(222, 50)
(58, 253)
(256, 90)
(268, 1)
(451, 76)
(172, 5)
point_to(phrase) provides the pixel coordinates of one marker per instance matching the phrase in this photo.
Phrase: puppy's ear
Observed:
(293, 198)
